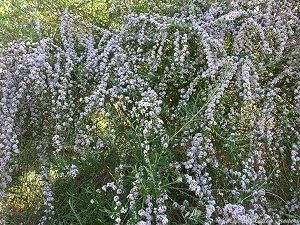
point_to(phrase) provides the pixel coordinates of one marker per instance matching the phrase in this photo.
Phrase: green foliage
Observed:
(19, 18)
(78, 198)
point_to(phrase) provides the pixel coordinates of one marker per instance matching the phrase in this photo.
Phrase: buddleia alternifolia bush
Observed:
(201, 108)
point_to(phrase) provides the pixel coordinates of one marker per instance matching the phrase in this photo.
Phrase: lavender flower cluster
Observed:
(187, 111)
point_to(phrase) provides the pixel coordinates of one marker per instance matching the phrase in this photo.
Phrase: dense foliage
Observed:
(190, 116)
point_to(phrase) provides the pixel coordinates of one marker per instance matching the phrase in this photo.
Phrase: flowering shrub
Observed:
(200, 109)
